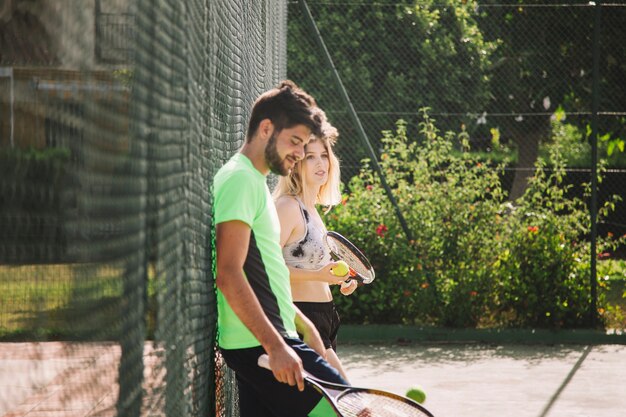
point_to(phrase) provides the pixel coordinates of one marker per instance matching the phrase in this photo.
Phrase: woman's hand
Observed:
(348, 288)
(326, 274)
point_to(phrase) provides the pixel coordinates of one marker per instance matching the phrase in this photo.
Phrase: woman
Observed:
(313, 181)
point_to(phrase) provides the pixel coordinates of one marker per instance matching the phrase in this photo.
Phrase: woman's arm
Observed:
(323, 274)
(290, 217)
(309, 333)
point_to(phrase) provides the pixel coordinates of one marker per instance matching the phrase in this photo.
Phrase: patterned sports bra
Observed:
(310, 252)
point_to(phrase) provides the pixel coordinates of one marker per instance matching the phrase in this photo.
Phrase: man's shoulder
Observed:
(234, 171)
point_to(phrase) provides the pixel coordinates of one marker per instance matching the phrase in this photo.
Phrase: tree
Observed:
(393, 59)
(543, 61)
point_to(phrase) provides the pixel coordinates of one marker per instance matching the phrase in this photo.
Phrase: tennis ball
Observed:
(341, 270)
(417, 394)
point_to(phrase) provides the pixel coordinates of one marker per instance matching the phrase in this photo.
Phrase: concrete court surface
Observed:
(469, 380)
(56, 379)
(474, 380)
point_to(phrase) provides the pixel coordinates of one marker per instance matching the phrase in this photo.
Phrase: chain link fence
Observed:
(114, 115)
(502, 72)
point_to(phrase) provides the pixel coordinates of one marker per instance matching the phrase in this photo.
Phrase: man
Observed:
(256, 314)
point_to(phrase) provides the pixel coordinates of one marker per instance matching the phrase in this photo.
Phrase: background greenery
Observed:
(475, 260)
(499, 72)
(500, 209)
(514, 82)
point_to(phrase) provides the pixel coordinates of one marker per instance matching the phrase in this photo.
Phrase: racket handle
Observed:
(264, 361)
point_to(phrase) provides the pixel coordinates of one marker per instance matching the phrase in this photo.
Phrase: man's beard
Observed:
(275, 163)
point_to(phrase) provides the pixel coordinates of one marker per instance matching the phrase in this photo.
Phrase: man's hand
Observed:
(286, 366)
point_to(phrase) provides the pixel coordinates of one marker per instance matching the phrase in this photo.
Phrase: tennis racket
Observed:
(348, 401)
(342, 249)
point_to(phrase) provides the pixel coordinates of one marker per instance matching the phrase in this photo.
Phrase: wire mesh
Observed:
(501, 72)
(114, 117)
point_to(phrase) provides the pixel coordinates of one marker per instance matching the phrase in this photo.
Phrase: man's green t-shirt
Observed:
(241, 193)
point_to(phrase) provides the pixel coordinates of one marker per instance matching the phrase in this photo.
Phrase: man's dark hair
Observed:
(286, 106)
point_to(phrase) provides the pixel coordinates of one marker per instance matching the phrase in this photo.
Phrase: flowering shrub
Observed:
(474, 259)
(543, 263)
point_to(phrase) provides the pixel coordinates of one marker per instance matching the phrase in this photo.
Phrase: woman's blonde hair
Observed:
(294, 183)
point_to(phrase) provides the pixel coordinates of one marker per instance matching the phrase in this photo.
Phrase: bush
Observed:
(575, 147)
(474, 259)
(30, 205)
(545, 261)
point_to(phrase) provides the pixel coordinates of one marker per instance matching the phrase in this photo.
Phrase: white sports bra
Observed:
(311, 251)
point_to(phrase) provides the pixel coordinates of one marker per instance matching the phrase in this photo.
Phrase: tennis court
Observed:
(499, 380)
(67, 379)
(116, 115)
(459, 378)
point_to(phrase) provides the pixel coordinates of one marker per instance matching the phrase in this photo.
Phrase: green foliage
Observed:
(544, 264)
(391, 58)
(544, 62)
(125, 76)
(32, 169)
(474, 260)
(31, 184)
(612, 282)
(33, 164)
(575, 147)
(390, 53)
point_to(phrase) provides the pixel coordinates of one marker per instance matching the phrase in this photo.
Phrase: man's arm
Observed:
(232, 246)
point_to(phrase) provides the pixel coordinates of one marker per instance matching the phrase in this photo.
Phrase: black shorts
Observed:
(261, 395)
(325, 318)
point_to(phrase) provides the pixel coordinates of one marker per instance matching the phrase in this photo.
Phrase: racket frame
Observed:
(327, 390)
(353, 274)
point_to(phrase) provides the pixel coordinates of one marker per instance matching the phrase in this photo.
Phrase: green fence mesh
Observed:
(115, 114)
(114, 117)
(480, 67)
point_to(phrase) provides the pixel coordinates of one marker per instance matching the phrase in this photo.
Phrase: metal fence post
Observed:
(594, 160)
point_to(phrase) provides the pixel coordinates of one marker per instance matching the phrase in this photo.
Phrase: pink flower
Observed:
(381, 229)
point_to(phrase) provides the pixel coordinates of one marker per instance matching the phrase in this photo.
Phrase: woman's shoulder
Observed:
(287, 201)
(287, 204)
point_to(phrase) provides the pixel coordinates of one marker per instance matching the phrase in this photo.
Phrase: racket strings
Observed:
(368, 404)
(352, 260)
